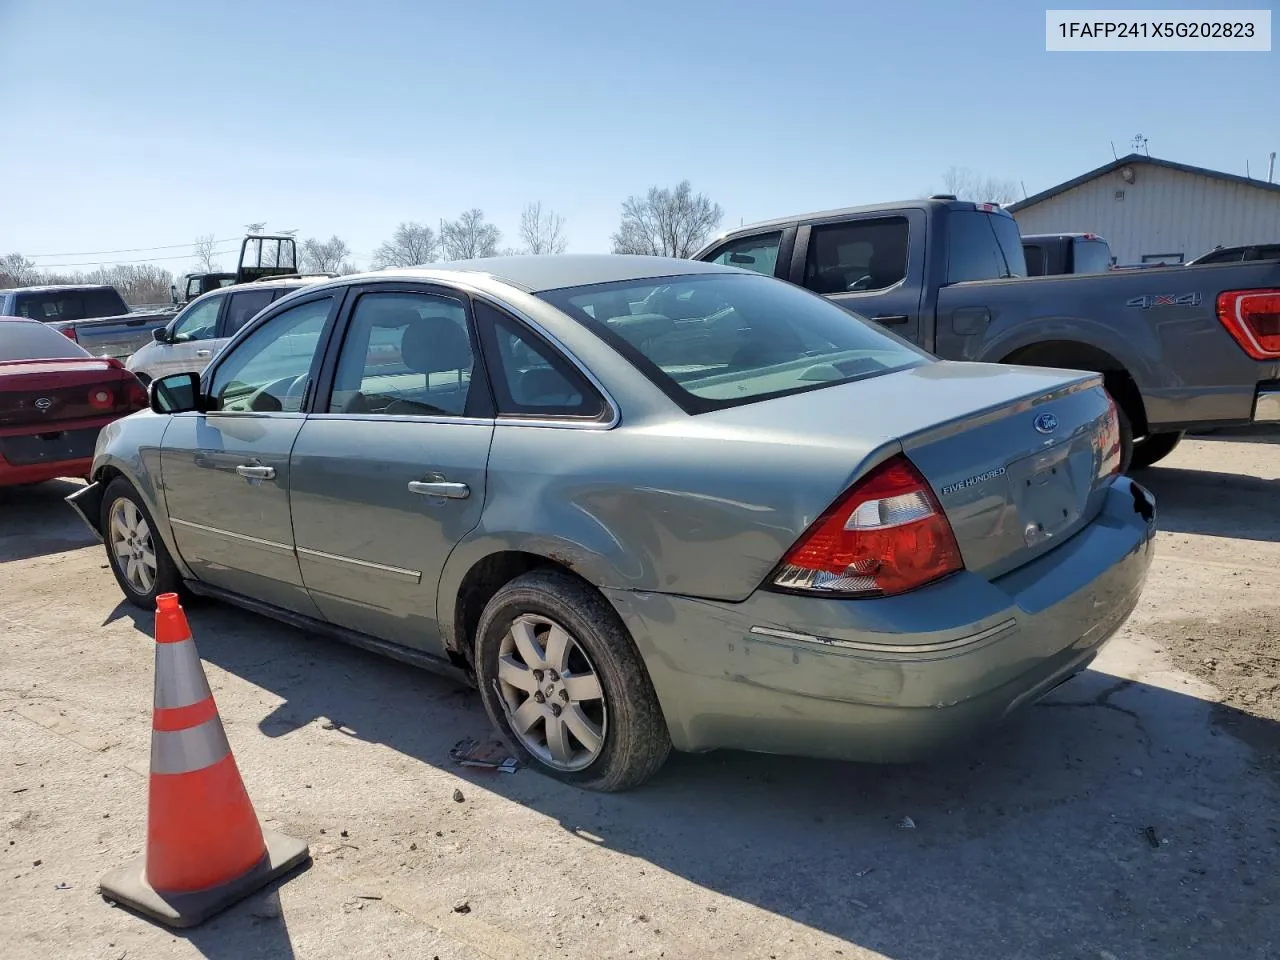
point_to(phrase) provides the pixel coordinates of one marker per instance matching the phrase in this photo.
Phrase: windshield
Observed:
(720, 340)
(20, 340)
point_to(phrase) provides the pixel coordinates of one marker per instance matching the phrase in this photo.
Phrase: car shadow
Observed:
(1116, 818)
(35, 522)
(1214, 504)
(1267, 434)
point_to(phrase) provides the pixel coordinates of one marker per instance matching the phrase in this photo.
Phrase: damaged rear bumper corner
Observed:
(87, 503)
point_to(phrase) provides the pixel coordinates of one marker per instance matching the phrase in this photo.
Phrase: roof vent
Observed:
(943, 196)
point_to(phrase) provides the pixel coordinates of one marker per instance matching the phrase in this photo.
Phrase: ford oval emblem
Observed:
(1046, 423)
(44, 403)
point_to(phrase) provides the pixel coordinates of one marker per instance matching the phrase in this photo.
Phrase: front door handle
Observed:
(440, 488)
(253, 472)
(892, 320)
(204, 353)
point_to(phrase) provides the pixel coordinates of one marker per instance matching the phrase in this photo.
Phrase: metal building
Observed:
(1157, 211)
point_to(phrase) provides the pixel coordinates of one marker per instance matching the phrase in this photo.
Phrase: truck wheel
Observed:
(1153, 448)
(563, 682)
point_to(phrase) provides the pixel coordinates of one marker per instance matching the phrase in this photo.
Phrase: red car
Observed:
(54, 398)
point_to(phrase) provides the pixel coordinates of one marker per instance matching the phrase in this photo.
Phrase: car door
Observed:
(226, 473)
(863, 264)
(388, 472)
(242, 306)
(189, 335)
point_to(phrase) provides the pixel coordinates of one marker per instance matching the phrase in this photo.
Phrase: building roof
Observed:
(1134, 159)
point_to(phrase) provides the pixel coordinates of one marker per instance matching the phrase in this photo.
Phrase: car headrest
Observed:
(433, 344)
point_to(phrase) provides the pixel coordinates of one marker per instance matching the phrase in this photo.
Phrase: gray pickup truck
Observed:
(93, 315)
(1180, 347)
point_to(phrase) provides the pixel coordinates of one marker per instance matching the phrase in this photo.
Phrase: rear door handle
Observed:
(892, 320)
(440, 488)
(252, 472)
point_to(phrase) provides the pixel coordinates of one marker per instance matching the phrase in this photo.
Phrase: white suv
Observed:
(193, 338)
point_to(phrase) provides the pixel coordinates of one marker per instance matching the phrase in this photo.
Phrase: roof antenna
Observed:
(1114, 155)
(1023, 184)
(1140, 143)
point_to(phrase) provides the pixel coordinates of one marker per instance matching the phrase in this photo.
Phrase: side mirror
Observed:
(160, 335)
(176, 393)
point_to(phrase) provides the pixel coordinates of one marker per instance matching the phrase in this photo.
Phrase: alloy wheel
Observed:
(132, 546)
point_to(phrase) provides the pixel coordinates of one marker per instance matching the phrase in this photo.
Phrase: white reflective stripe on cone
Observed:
(180, 679)
(185, 751)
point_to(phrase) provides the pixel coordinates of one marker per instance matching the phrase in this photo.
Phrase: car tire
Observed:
(1153, 448)
(612, 736)
(130, 536)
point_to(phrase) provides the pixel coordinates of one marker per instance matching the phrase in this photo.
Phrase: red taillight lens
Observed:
(1108, 441)
(102, 398)
(70, 334)
(886, 535)
(1252, 317)
(136, 393)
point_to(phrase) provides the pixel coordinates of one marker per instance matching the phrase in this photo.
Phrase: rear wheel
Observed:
(1153, 448)
(138, 557)
(563, 682)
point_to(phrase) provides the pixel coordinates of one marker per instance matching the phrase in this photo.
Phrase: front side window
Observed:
(405, 355)
(268, 371)
(759, 254)
(721, 340)
(244, 306)
(857, 257)
(198, 322)
(530, 379)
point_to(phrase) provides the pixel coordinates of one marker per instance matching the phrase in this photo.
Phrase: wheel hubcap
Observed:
(553, 697)
(132, 550)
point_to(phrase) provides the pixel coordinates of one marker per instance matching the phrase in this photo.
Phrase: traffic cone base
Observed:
(127, 886)
(205, 847)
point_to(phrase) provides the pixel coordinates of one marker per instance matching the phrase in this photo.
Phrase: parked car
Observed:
(193, 338)
(54, 398)
(93, 315)
(1178, 347)
(641, 503)
(1260, 251)
(1051, 254)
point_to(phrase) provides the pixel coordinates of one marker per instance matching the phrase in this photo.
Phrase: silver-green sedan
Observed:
(641, 504)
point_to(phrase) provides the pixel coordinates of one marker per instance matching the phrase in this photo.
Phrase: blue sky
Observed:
(138, 123)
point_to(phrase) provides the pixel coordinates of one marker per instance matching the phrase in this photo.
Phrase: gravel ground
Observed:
(1136, 814)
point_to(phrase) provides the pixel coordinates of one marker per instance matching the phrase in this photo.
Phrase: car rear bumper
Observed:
(56, 450)
(15, 474)
(1266, 406)
(897, 678)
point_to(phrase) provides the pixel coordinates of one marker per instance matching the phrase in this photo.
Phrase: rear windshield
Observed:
(1091, 256)
(70, 305)
(32, 341)
(721, 340)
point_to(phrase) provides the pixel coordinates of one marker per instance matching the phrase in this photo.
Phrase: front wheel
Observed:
(562, 680)
(138, 557)
(1153, 448)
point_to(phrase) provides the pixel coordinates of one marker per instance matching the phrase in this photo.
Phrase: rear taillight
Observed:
(1108, 441)
(886, 535)
(102, 398)
(136, 393)
(1252, 317)
(70, 334)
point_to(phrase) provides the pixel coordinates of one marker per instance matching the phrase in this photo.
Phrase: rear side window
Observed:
(983, 246)
(530, 378)
(1035, 260)
(857, 257)
(34, 341)
(71, 305)
(751, 253)
(243, 307)
(1090, 256)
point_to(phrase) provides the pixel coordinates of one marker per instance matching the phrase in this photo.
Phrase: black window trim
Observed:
(480, 402)
(559, 359)
(690, 403)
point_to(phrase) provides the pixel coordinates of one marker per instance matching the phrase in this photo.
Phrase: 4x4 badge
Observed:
(1164, 300)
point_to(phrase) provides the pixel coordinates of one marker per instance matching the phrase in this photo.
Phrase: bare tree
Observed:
(666, 223)
(968, 185)
(17, 271)
(469, 237)
(542, 231)
(204, 253)
(326, 256)
(410, 245)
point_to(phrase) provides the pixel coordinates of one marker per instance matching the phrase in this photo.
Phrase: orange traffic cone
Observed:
(205, 849)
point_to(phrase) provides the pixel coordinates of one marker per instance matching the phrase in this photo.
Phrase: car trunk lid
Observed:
(38, 392)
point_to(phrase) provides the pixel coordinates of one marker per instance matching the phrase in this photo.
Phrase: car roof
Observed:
(536, 273)
(20, 320)
(56, 287)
